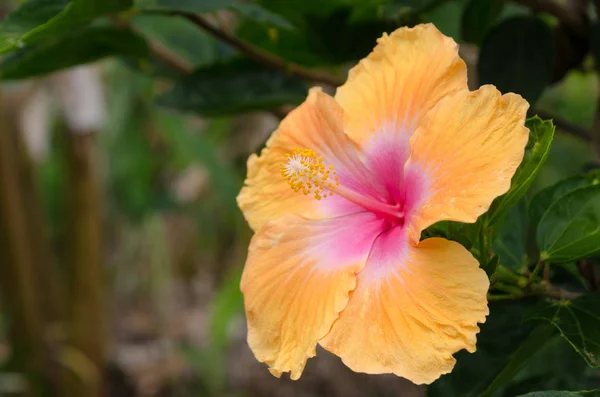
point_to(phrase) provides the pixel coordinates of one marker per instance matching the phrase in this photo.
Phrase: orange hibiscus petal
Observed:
(297, 279)
(407, 73)
(464, 154)
(317, 124)
(413, 307)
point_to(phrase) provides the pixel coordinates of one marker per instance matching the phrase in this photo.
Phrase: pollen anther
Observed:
(305, 171)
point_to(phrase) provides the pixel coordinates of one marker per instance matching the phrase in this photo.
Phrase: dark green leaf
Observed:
(492, 266)
(76, 14)
(234, 87)
(193, 6)
(181, 37)
(555, 367)
(292, 45)
(534, 342)
(554, 393)
(246, 10)
(28, 16)
(578, 321)
(595, 43)
(478, 17)
(326, 35)
(541, 133)
(500, 336)
(546, 197)
(87, 45)
(256, 13)
(511, 243)
(518, 56)
(570, 228)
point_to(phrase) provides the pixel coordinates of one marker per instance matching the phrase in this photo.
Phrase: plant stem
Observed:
(538, 267)
(258, 54)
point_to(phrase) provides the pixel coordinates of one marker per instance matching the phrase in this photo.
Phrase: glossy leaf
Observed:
(511, 242)
(193, 6)
(541, 133)
(518, 56)
(76, 14)
(26, 17)
(554, 393)
(578, 322)
(244, 9)
(555, 367)
(570, 227)
(182, 38)
(500, 337)
(492, 266)
(234, 87)
(546, 197)
(534, 342)
(85, 46)
(261, 15)
(478, 17)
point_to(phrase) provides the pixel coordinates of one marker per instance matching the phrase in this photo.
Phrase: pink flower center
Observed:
(306, 173)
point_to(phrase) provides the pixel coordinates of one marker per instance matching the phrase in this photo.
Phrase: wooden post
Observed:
(85, 355)
(18, 256)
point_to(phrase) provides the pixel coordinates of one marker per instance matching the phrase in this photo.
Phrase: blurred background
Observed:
(121, 244)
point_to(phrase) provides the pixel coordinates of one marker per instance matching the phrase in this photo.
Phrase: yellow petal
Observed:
(465, 153)
(413, 307)
(317, 124)
(296, 281)
(407, 73)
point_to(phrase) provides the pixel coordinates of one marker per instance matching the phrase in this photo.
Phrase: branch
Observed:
(171, 59)
(550, 292)
(567, 15)
(260, 55)
(564, 125)
(167, 56)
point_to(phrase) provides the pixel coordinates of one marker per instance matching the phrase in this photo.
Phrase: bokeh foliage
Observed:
(170, 61)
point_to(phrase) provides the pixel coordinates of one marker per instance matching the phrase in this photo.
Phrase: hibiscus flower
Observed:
(338, 200)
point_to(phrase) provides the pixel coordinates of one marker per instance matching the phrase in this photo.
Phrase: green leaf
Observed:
(234, 87)
(578, 322)
(500, 337)
(26, 17)
(511, 243)
(492, 266)
(76, 14)
(193, 6)
(541, 133)
(570, 228)
(518, 56)
(554, 393)
(327, 34)
(86, 45)
(555, 367)
(546, 197)
(244, 9)
(478, 17)
(181, 37)
(534, 342)
(595, 43)
(261, 15)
